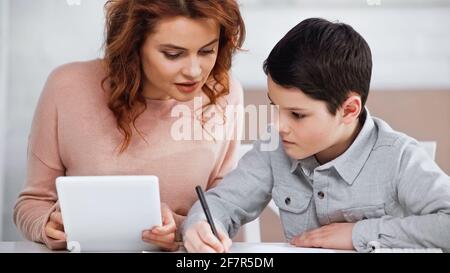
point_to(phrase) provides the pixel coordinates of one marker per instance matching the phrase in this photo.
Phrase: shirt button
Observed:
(321, 195)
(287, 200)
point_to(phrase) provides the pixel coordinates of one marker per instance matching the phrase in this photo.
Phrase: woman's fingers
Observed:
(167, 246)
(169, 224)
(55, 227)
(54, 233)
(57, 218)
(164, 236)
(168, 238)
(167, 214)
(166, 229)
(165, 242)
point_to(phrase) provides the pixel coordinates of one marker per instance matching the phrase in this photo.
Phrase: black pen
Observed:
(205, 207)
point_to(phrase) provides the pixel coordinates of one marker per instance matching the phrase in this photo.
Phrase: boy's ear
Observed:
(351, 108)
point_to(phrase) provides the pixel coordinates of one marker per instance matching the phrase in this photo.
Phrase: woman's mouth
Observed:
(187, 87)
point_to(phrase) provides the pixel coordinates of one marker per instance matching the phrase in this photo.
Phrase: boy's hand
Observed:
(335, 236)
(164, 236)
(199, 238)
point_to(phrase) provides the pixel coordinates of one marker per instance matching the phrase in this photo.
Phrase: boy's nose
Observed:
(283, 129)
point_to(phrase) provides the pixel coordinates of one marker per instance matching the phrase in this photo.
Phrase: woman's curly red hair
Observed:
(128, 24)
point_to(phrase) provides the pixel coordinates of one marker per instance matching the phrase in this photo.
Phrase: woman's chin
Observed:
(185, 97)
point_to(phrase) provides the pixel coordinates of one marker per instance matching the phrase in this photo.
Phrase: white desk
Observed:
(278, 248)
(29, 247)
(24, 247)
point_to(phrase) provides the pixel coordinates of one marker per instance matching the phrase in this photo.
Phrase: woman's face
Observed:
(178, 56)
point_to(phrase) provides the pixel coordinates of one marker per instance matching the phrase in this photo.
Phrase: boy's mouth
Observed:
(287, 142)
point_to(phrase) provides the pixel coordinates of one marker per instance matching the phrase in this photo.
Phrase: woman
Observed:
(113, 116)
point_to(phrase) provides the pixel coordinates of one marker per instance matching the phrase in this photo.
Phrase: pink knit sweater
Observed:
(75, 134)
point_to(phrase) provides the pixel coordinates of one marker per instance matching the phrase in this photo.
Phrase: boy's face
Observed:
(306, 127)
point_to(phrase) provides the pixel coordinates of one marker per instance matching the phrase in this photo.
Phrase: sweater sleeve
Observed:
(38, 199)
(424, 190)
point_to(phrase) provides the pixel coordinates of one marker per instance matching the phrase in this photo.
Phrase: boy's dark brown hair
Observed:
(324, 60)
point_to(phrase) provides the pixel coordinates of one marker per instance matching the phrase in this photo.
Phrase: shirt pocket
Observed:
(356, 214)
(288, 199)
(293, 205)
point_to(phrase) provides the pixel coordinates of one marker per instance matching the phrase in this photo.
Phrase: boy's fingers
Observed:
(192, 240)
(297, 240)
(301, 240)
(307, 239)
(206, 235)
(188, 246)
(202, 247)
(190, 237)
(226, 241)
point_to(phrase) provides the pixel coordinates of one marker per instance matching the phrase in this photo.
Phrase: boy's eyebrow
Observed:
(182, 48)
(296, 109)
(289, 108)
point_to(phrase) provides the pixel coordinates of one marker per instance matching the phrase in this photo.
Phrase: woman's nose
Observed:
(193, 69)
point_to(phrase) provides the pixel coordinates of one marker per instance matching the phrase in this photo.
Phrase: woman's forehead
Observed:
(185, 32)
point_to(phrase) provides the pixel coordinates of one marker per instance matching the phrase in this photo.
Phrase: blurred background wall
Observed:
(409, 41)
(3, 70)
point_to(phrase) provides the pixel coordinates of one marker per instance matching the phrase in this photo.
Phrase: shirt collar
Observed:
(350, 163)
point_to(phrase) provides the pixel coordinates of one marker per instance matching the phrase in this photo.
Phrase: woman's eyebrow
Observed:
(172, 46)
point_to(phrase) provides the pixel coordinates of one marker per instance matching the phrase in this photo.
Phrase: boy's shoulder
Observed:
(391, 139)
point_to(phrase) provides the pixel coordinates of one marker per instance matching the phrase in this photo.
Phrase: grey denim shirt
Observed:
(385, 182)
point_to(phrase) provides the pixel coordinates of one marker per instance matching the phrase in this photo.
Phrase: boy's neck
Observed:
(340, 146)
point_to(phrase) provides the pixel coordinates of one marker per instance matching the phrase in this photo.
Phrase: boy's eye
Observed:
(297, 115)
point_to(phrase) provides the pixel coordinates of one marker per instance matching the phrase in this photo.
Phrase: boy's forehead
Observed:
(289, 97)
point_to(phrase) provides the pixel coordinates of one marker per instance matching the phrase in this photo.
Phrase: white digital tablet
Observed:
(108, 213)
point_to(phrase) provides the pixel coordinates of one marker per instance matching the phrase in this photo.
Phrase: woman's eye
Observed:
(171, 55)
(207, 52)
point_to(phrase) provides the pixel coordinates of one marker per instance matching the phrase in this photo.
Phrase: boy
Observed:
(340, 177)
